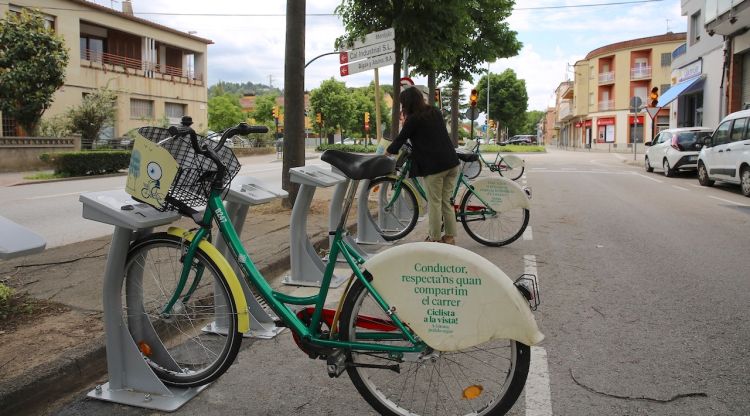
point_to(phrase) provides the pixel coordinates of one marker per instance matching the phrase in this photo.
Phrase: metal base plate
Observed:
(146, 400)
(262, 333)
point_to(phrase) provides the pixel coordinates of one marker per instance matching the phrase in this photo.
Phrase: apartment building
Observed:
(594, 110)
(729, 21)
(158, 73)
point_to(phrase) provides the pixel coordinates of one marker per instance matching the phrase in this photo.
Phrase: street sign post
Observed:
(370, 63)
(472, 113)
(636, 104)
(376, 49)
(367, 52)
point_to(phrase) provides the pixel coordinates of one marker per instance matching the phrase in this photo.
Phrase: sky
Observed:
(249, 37)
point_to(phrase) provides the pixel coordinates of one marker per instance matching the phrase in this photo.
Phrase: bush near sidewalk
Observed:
(87, 163)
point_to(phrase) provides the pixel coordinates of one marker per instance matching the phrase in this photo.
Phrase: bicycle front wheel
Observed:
(175, 342)
(482, 380)
(471, 169)
(392, 207)
(510, 172)
(490, 227)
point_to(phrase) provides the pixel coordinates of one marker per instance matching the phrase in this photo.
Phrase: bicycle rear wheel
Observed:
(471, 169)
(174, 343)
(488, 226)
(392, 207)
(482, 380)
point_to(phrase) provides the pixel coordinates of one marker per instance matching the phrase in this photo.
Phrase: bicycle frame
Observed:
(401, 181)
(278, 301)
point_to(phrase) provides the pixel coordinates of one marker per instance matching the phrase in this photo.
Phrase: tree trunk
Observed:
(294, 96)
(431, 87)
(454, 110)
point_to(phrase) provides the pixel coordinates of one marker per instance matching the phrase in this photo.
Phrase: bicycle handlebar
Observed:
(211, 152)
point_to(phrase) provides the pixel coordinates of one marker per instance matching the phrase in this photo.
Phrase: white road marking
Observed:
(527, 235)
(57, 195)
(538, 396)
(648, 177)
(728, 201)
(680, 188)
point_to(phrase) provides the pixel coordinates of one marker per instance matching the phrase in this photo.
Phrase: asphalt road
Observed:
(645, 289)
(52, 209)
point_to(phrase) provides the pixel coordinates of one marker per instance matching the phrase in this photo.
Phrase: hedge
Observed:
(87, 163)
(354, 148)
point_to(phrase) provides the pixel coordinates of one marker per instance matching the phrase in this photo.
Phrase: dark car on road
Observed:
(521, 139)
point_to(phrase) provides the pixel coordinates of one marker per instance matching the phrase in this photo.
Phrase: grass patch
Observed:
(13, 303)
(41, 176)
(511, 148)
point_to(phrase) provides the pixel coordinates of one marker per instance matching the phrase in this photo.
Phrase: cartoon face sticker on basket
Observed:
(151, 172)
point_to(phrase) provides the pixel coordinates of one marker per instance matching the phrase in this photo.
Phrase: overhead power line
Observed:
(571, 6)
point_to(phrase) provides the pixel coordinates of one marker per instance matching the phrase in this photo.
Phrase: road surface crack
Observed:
(643, 398)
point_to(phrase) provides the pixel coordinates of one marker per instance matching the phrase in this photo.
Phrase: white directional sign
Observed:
(367, 52)
(371, 63)
(375, 50)
(375, 37)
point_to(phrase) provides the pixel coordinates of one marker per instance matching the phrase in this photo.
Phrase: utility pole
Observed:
(294, 96)
(487, 116)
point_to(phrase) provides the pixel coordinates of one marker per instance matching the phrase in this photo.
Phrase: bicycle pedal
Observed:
(280, 324)
(336, 363)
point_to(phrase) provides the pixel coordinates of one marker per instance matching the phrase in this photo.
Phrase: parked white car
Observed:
(675, 149)
(725, 156)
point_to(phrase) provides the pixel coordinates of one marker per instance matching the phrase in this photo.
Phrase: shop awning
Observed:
(676, 90)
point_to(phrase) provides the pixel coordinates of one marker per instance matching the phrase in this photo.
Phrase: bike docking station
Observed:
(366, 231)
(243, 192)
(131, 380)
(334, 215)
(17, 240)
(307, 268)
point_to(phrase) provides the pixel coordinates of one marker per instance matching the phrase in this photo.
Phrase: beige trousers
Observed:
(439, 191)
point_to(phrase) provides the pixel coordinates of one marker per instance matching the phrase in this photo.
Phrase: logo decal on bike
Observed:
(220, 215)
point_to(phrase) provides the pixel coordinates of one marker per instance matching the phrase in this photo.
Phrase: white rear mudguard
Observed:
(451, 297)
(502, 194)
(513, 161)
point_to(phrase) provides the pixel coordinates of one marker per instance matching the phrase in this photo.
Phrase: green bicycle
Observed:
(508, 166)
(176, 282)
(393, 206)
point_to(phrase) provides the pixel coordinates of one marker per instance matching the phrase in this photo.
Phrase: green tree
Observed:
(453, 38)
(364, 102)
(32, 67)
(96, 111)
(508, 100)
(335, 103)
(263, 111)
(223, 112)
(531, 121)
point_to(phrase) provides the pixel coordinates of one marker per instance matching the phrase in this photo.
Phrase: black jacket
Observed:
(433, 150)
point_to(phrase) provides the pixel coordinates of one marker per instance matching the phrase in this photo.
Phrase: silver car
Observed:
(675, 149)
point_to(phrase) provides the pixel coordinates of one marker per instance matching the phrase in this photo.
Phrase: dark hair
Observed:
(412, 101)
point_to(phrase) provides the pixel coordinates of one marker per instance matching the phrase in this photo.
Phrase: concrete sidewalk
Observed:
(62, 351)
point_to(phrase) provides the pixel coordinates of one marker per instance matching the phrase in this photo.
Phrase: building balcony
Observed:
(566, 90)
(606, 77)
(123, 64)
(725, 17)
(564, 110)
(640, 73)
(606, 105)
